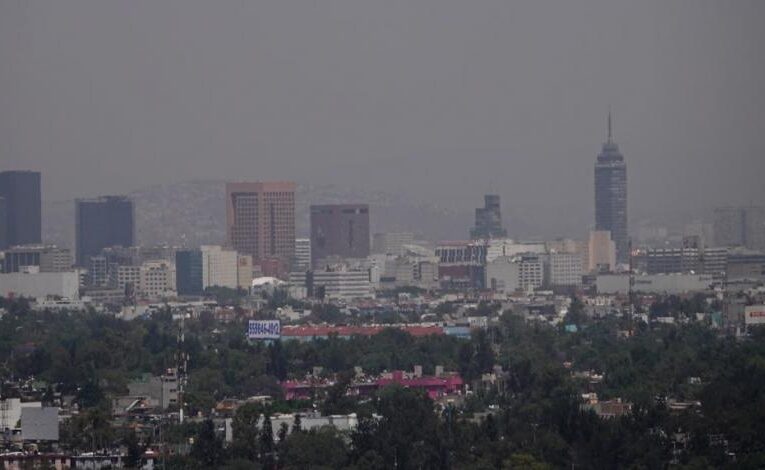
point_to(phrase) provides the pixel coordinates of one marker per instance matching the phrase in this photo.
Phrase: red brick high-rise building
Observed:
(260, 220)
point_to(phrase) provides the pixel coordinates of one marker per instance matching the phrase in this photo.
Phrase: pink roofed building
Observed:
(434, 387)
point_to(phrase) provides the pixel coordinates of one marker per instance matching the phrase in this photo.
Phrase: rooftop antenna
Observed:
(610, 135)
(493, 185)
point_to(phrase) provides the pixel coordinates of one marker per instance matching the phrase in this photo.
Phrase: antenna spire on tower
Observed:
(610, 135)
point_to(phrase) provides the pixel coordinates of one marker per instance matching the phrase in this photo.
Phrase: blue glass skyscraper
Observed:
(611, 195)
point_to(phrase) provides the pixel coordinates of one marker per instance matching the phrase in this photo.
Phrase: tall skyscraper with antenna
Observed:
(611, 195)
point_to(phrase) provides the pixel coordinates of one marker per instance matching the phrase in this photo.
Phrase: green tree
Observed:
(208, 447)
(575, 314)
(134, 451)
(245, 431)
(524, 462)
(407, 432)
(277, 363)
(336, 401)
(296, 425)
(316, 449)
(267, 443)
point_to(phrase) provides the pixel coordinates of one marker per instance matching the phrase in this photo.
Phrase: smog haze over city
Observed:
(437, 100)
(393, 234)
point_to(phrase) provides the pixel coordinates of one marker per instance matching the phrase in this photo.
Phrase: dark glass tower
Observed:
(23, 207)
(188, 272)
(101, 223)
(488, 219)
(611, 195)
(3, 225)
(340, 230)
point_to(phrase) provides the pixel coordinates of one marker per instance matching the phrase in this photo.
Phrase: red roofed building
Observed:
(307, 333)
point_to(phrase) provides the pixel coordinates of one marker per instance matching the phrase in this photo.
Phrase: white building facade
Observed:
(565, 269)
(40, 285)
(342, 284)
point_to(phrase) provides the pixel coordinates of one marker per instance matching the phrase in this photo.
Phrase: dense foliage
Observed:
(531, 419)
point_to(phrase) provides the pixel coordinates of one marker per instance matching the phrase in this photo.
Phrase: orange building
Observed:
(260, 220)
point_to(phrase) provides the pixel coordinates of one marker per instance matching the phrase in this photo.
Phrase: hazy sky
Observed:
(437, 99)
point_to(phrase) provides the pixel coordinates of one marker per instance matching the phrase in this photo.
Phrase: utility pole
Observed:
(183, 360)
(630, 294)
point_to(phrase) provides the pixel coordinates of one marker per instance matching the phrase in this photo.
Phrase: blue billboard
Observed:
(264, 329)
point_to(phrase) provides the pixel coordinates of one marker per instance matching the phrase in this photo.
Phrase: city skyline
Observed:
(363, 235)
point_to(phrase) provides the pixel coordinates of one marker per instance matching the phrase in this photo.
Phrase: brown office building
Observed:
(260, 219)
(339, 230)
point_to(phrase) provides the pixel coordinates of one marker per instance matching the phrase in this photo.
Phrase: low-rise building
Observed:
(531, 271)
(391, 243)
(503, 275)
(161, 392)
(461, 264)
(338, 284)
(564, 269)
(654, 283)
(48, 258)
(35, 284)
(157, 280)
(226, 268)
(608, 409)
(302, 260)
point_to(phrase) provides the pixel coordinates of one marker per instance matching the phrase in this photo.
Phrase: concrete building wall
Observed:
(34, 285)
(653, 283)
(503, 275)
(47, 257)
(427, 274)
(157, 280)
(745, 264)
(219, 267)
(11, 410)
(392, 243)
(344, 285)
(740, 226)
(506, 247)
(565, 269)
(302, 261)
(531, 271)
(39, 424)
(128, 276)
(601, 251)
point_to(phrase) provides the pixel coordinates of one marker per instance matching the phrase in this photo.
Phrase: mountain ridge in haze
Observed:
(192, 213)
